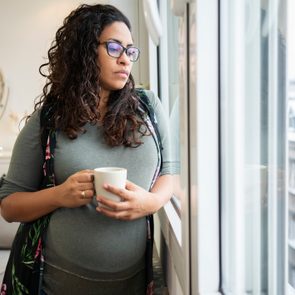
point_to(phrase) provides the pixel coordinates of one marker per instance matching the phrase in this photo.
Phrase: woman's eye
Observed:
(131, 51)
(114, 48)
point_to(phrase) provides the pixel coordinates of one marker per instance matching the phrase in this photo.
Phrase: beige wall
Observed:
(26, 31)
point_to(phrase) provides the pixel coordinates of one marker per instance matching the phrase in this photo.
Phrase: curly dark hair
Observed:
(72, 80)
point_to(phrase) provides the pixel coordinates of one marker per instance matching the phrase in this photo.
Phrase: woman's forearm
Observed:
(28, 206)
(163, 188)
(76, 191)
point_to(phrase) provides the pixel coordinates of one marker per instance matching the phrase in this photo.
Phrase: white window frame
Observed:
(193, 241)
(174, 230)
(204, 147)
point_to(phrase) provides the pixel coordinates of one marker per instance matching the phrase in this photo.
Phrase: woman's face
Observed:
(114, 71)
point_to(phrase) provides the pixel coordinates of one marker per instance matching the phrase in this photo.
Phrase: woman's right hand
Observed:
(77, 190)
(28, 206)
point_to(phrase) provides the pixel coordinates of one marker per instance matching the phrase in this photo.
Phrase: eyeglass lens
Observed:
(116, 50)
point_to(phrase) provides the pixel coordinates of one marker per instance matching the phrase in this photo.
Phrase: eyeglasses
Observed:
(116, 50)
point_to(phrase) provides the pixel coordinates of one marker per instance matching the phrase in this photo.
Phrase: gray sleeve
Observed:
(170, 164)
(25, 169)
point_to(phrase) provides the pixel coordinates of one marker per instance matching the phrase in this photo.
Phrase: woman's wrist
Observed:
(155, 202)
(57, 193)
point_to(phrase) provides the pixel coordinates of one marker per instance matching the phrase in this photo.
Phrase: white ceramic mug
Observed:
(109, 175)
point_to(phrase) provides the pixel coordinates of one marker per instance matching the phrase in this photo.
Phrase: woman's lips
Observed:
(123, 74)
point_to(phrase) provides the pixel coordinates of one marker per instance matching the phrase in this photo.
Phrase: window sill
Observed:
(171, 228)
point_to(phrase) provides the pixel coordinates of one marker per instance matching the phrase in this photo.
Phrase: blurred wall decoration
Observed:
(3, 94)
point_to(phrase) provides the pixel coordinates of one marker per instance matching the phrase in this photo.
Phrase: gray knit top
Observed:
(80, 241)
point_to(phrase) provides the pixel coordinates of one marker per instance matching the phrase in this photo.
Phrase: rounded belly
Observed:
(84, 241)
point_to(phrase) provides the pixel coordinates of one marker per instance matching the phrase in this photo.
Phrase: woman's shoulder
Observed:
(33, 120)
(152, 98)
(37, 120)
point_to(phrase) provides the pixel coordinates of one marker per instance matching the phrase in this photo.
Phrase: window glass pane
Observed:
(172, 65)
(173, 89)
(253, 145)
(173, 92)
(291, 146)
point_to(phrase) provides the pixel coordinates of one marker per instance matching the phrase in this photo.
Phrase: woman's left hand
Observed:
(136, 202)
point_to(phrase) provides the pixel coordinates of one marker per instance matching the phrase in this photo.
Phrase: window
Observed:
(253, 146)
(291, 148)
(172, 57)
(173, 90)
(191, 49)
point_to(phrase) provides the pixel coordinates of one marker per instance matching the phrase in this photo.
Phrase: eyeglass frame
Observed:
(124, 49)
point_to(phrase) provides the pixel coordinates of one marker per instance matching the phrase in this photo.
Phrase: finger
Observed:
(131, 186)
(85, 171)
(83, 186)
(87, 194)
(121, 192)
(113, 205)
(85, 177)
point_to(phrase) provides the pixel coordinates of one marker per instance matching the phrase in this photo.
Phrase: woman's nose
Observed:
(124, 59)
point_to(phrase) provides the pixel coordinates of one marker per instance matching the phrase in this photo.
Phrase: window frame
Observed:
(195, 249)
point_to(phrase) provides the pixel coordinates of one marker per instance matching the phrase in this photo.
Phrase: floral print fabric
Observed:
(24, 268)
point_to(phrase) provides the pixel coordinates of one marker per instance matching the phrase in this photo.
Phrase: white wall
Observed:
(27, 29)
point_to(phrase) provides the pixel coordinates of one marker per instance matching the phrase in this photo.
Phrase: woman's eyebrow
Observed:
(120, 42)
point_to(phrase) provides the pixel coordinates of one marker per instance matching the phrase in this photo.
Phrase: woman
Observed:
(94, 114)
